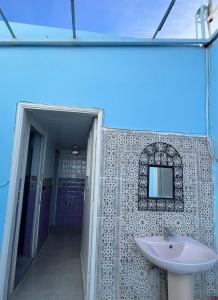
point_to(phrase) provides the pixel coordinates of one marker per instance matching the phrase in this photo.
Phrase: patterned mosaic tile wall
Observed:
(122, 271)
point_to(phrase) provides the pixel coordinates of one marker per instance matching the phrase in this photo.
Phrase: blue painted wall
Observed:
(149, 88)
(213, 98)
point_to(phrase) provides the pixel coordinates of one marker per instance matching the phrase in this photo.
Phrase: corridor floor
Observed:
(56, 273)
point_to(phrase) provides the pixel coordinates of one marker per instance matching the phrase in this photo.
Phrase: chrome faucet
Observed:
(169, 233)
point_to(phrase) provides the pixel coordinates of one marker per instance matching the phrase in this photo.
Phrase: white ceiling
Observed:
(65, 129)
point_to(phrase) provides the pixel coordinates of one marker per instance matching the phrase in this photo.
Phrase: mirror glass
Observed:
(160, 182)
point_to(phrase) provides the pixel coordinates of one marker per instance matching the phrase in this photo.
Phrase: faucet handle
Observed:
(169, 232)
(170, 229)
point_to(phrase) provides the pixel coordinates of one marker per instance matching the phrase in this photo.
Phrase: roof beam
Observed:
(7, 24)
(73, 18)
(136, 43)
(159, 28)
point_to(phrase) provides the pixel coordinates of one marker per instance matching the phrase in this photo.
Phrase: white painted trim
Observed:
(18, 207)
(94, 156)
(88, 204)
(7, 242)
(76, 109)
(91, 271)
(18, 210)
(54, 190)
(34, 124)
(11, 201)
(38, 195)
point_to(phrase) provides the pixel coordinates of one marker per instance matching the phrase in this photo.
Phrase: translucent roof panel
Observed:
(138, 18)
(124, 18)
(41, 13)
(181, 21)
(53, 13)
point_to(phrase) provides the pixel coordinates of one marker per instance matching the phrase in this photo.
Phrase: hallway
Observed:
(56, 272)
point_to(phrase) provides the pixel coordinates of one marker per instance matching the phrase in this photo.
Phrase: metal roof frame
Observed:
(109, 43)
(162, 22)
(147, 42)
(7, 24)
(73, 18)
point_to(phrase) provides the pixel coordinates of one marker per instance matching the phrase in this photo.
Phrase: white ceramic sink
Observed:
(181, 255)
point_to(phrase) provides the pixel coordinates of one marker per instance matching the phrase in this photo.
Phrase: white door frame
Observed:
(9, 228)
(38, 196)
(27, 123)
(54, 190)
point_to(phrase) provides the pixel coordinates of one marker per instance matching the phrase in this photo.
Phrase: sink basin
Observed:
(181, 255)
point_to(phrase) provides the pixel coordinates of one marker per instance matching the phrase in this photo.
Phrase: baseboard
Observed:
(83, 276)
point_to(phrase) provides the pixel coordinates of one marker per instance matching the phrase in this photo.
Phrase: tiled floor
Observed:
(21, 267)
(56, 273)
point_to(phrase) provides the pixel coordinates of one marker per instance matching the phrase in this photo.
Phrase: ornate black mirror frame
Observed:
(160, 154)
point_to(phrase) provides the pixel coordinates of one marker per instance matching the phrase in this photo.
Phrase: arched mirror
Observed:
(160, 185)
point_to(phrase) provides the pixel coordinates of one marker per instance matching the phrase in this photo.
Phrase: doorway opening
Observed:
(50, 233)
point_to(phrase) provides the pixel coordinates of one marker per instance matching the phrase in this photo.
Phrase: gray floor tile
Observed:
(38, 296)
(56, 274)
(21, 267)
(68, 296)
